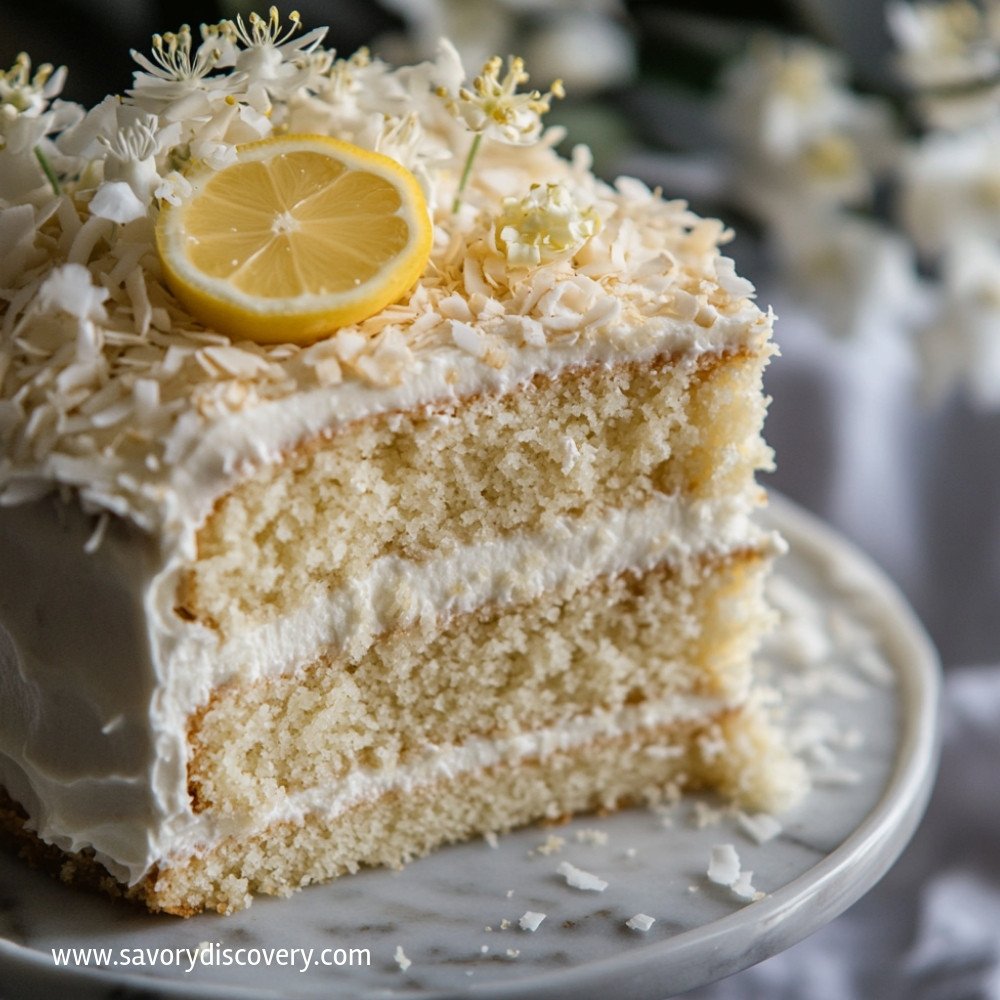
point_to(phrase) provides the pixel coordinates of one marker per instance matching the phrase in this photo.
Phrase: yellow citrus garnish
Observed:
(301, 235)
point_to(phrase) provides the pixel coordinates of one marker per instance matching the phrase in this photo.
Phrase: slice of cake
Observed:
(273, 611)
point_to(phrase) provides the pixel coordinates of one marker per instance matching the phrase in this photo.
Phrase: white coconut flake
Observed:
(724, 868)
(743, 887)
(760, 827)
(401, 960)
(579, 879)
(468, 339)
(491, 838)
(531, 920)
(640, 922)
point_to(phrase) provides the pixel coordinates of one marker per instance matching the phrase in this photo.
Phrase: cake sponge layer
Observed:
(414, 484)
(737, 753)
(495, 672)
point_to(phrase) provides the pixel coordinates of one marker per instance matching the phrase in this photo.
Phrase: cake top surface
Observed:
(109, 387)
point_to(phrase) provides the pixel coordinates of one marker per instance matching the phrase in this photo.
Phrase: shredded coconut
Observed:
(724, 868)
(401, 960)
(579, 879)
(531, 920)
(760, 827)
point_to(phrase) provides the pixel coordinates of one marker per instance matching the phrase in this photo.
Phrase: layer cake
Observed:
(272, 612)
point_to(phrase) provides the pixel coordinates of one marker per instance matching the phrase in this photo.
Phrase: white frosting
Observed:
(98, 675)
(432, 763)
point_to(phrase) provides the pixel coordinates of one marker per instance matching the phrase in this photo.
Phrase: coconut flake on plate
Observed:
(579, 879)
(531, 920)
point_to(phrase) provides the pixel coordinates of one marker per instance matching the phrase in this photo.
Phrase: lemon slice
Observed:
(301, 235)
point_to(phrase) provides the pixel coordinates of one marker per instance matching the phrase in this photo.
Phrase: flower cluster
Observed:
(586, 43)
(494, 107)
(546, 224)
(807, 153)
(949, 56)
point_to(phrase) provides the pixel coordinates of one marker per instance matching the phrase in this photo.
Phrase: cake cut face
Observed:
(271, 612)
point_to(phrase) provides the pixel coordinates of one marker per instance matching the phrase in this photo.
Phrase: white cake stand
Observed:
(861, 682)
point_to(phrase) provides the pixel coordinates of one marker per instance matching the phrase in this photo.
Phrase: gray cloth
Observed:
(917, 486)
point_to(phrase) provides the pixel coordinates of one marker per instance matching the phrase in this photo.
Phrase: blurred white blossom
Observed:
(950, 187)
(858, 274)
(29, 114)
(585, 43)
(949, 56)
(962, 346)
(797, 131)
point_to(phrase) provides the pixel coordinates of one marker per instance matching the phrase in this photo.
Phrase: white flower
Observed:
(858, 276)
(131, 157)
(272, 59)
(950, 183)
(494, 107)
(70, 289)
(945, 44)
(179, 81)
(795, 128)
(24, 94)
(174, 188)
(547, 224)
(949, 56)
(27, 118)
(586, 43)
(962, 347)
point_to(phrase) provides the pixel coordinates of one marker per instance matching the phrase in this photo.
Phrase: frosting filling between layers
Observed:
(116, 675)
(434, 763)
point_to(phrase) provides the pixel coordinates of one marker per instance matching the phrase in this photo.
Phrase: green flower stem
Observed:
(47, 170)
(466, 171)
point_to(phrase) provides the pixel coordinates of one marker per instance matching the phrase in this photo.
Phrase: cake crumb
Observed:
(705, 815)
(579, 879)
(513, 952)
(491, 838)
(505, 924)
(640, 922)
(401, 960)
(591, 836)
(509, 893)
(551, 845)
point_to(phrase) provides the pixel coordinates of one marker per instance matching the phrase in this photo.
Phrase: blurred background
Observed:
(854, 145)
